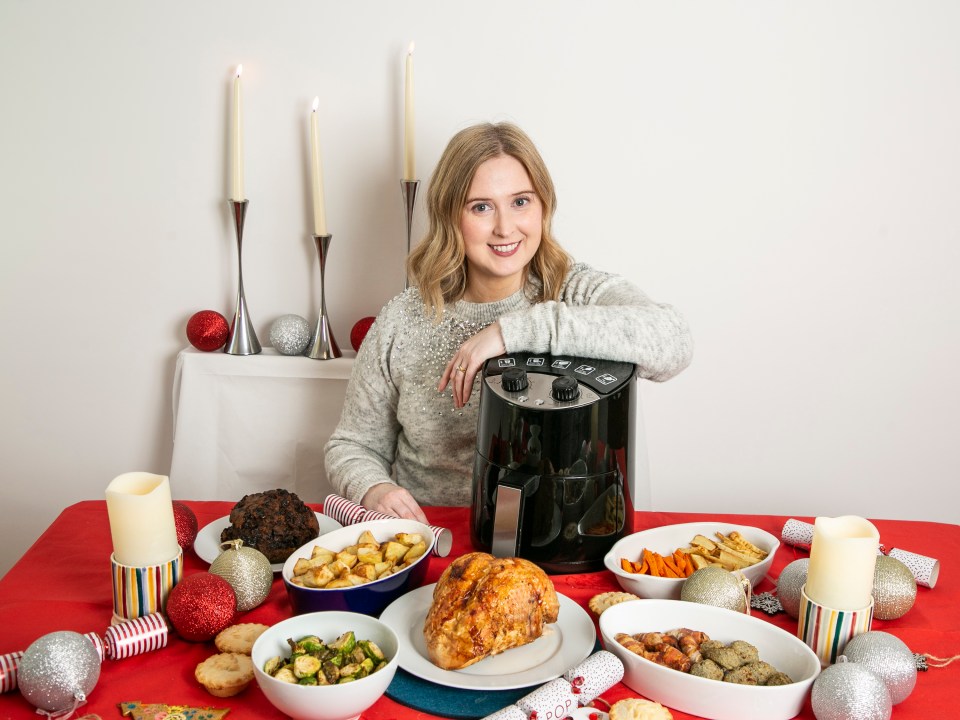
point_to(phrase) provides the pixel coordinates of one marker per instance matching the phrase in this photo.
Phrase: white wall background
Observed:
(785, 173)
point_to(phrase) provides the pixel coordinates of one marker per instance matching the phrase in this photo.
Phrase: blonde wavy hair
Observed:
(437, 266)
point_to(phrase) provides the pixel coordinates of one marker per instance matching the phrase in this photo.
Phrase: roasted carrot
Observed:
(651, 561)
(670, 563)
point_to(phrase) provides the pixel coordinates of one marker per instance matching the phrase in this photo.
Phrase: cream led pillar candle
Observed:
(236, 141)
(316, 174)
(141, 519)
(409, 135)
(843, 556)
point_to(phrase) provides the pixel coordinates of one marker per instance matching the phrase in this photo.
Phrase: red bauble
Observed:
(359, 331)
(201, 605)
(186, 524)
(207, 330)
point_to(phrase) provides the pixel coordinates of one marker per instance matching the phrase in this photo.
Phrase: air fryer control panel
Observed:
(553, 382)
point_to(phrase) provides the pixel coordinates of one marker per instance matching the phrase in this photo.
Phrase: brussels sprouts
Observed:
(305, 666)
(312, 662)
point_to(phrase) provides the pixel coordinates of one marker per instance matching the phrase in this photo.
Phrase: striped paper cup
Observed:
(827, 630)
(142, 591)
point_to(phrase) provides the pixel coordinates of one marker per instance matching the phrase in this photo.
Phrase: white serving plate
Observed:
(711, 699)
(665, 540)
(207, 544)
(564, 644)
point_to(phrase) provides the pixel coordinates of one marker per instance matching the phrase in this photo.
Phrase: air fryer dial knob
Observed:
(565, 388)
(514, 380)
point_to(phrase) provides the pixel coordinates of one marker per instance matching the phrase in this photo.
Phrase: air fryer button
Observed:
(537, 361)
(561, 364)
(565, 388)
(514, 380)
(606, 379)
(506, 362)
(585, 369)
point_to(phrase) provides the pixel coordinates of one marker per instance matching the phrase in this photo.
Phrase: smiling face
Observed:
(501, 224)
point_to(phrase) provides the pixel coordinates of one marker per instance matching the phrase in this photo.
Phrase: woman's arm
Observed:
(360, 453)
(604, 316)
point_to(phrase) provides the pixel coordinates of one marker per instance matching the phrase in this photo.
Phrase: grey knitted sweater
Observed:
(396, 427)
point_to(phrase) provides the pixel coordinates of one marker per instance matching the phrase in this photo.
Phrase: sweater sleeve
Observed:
(605, 316)
(361, 451)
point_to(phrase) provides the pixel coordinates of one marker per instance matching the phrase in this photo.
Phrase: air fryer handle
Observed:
(512, 490)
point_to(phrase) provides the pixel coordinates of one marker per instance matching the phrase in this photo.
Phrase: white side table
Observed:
(245, 424)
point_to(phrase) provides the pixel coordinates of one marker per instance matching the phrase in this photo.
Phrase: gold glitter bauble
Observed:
(248, 572)
(894, 589)
(718, 587)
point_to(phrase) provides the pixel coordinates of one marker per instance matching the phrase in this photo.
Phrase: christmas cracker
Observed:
(346, 513)
(122, 640)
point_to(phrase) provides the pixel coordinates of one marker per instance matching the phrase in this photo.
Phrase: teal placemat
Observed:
(453, 703)
(447, 702)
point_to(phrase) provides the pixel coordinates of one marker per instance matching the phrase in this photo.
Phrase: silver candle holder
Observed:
(323, 345)
(408, 189)
(242, 339)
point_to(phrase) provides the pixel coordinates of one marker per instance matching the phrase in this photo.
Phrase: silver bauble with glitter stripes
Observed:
(718, 587)
(894, 589)
(848, 691)
(889, 657)
(789, 585)
(248, 572)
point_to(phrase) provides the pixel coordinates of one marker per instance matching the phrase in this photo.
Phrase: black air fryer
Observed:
(550, 478)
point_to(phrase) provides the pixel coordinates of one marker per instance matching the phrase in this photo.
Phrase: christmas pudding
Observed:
(275, 522)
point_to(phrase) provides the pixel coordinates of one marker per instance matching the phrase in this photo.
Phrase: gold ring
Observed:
(461, 368)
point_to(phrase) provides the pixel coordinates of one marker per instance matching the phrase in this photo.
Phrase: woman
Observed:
(489, 278)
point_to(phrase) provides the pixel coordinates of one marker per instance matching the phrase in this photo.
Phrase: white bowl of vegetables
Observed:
(325, 665)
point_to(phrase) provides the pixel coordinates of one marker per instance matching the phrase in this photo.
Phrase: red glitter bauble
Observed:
(359, 331)
(207, 330)
(201, 605)
(186, 524)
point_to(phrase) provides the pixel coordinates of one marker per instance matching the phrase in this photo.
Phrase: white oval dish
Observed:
(711, 699)
(665, 540)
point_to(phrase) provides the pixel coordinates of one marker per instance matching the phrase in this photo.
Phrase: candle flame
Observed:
(316, 103)
(410, 49)
(239, 70)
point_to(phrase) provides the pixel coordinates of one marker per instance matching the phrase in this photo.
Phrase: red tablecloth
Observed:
(63, 583)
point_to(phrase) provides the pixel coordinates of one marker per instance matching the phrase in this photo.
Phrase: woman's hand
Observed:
(467, 361)
(393, 500)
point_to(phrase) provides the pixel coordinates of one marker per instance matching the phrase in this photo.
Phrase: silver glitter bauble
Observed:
(290, 334)
(849, 691)
(889, 657)
(718, 587)
(789, 585)
(58, 671)
(894, 589)
(248, 572)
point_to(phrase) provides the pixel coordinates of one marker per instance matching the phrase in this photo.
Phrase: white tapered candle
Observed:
(236, 139)
(316, 173)
(409, 130)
